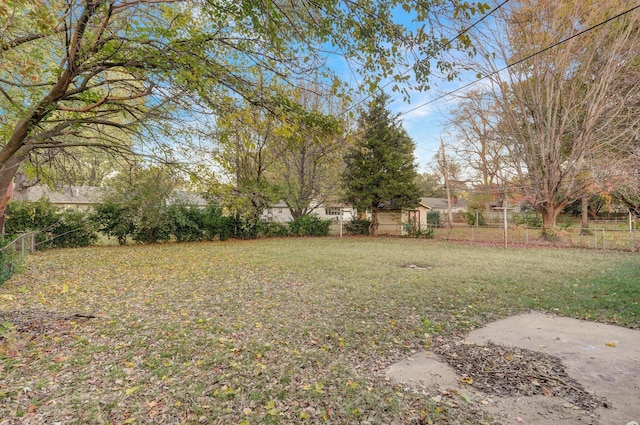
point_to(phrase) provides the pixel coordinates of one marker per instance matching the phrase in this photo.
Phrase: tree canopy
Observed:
(111, 74)
(561, 126)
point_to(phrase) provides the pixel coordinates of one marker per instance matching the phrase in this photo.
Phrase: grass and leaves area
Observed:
(271, 331)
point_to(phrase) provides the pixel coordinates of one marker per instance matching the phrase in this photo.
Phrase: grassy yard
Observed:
(271, 331)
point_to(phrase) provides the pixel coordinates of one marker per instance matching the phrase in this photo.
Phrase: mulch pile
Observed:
(513, 371)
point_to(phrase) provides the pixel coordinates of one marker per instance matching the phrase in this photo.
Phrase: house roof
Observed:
(279, 204)
(282, 204)
(90, 195)
(65, 195)
(441, 203)
(189, 198)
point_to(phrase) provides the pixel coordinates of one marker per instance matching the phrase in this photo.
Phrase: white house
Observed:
(280, 213)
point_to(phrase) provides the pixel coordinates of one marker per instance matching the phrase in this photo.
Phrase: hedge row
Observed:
(54, 227)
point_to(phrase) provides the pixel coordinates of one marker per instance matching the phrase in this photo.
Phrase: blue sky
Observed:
(425, 124)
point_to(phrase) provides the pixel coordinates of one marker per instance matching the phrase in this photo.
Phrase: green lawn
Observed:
(272, 331)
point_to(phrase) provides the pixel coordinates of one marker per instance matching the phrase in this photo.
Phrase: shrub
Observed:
(309, 225)
(52, 226)
(276, 230)
(186, 222)
(357, 227)
(114, 220)
(239, 227)
(25, 216)
(212, 222)
(433, 219)
(417, 232)
(217, 225)
(152, 226)
(472, 216)
(75, 229)
(530, 218)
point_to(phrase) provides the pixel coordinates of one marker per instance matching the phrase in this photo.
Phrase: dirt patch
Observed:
(32, 322)
(416, 266)
(536, 368)
(38, 320)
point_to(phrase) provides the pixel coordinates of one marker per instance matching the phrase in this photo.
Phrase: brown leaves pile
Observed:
(514, 371)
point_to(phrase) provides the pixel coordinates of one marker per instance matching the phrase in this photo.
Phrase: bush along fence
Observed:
(56, 228)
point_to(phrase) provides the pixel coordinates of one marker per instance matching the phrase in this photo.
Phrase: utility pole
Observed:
(446, 183)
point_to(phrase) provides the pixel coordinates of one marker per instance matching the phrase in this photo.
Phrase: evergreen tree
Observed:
(381, 170)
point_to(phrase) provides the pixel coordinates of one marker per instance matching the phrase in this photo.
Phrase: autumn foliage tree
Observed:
(248, 145)
(561, 111)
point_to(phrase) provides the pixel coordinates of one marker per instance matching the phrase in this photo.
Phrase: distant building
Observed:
(189, 198)
(440, 204)
(281, 213)
(398, 221)
(84, 197)
(68, 197)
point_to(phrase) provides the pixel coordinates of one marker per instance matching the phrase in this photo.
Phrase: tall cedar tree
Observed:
(381, 170)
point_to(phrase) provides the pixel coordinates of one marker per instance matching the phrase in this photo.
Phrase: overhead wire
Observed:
(552, 46)
(431, 55)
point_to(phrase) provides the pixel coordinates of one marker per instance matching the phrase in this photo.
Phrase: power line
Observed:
(432, 55)
(521, 60)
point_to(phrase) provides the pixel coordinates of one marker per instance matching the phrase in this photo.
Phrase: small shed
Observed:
(396, 221)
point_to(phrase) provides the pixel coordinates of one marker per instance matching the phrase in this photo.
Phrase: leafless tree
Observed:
(311, 164)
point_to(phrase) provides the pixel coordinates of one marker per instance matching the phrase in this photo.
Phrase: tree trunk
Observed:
(7, 173)
(549, 216)
(584, 223)
(374, 223)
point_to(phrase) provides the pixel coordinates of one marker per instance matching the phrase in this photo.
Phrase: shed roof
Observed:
(393, 206)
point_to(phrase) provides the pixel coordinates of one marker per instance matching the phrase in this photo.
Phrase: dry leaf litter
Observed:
(514, 371)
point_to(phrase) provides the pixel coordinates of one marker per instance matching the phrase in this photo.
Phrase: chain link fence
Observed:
(13, 252)
(600, 237)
